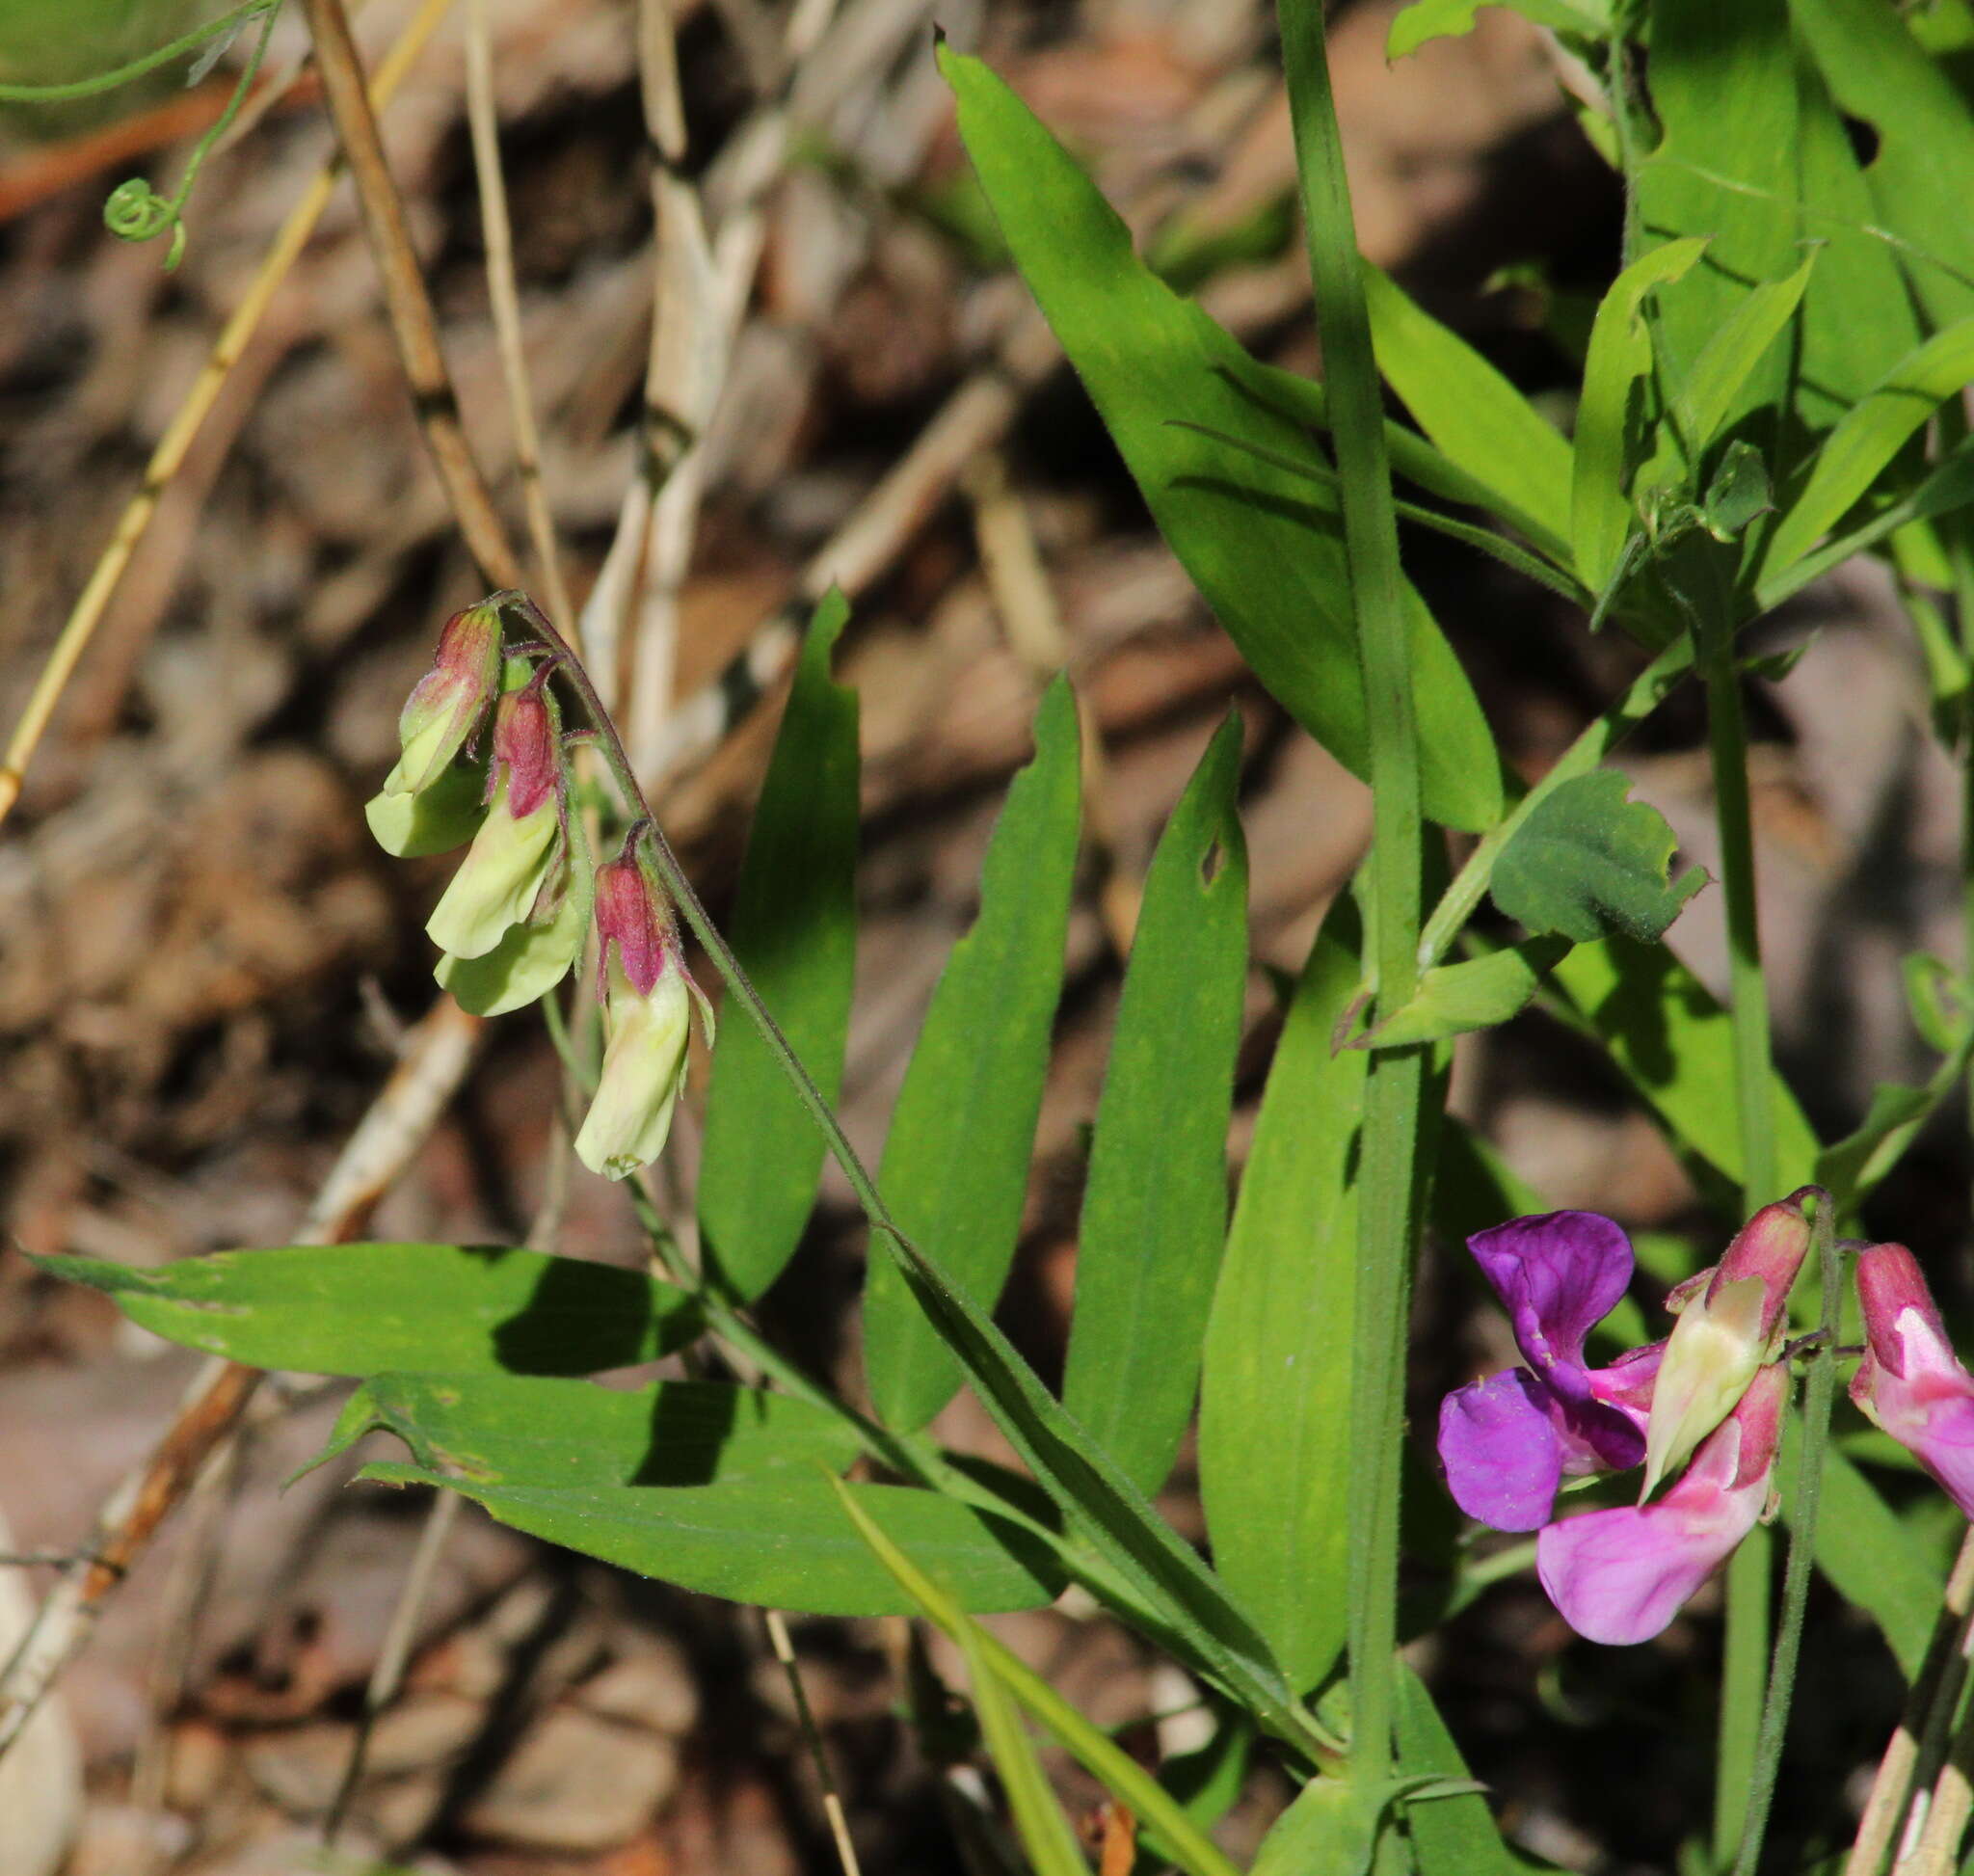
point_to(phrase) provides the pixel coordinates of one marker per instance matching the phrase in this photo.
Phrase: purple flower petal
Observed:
(1558, 1274)
(1621, 1575)
(1502, 1455)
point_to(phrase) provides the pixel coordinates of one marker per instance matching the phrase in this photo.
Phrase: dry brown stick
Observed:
(1928, 1705)
(433, 399)
(505, 300)
(439, 1049)
(87, 614)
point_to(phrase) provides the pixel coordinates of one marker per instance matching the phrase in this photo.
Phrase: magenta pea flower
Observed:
(1620, 1575)
(1508, 1442)
(1910, 1383)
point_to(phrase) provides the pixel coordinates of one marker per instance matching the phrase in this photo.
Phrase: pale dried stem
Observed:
(812, 1734)
(1929, 1707)
(176, 443)
(483, 123)
(441, 1047)
(433, 400)
(388, 1676)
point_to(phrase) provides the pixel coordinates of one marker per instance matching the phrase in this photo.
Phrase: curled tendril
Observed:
(135, 211)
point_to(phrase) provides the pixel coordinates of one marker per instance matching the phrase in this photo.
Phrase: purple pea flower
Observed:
(1621, 1575)
(1508, 1442)
(1910, 1382)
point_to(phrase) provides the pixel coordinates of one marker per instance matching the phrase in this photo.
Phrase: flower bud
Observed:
(514, 855)
(1910, 1383)
(628, 917)
(446, 704)
(1730, 1324)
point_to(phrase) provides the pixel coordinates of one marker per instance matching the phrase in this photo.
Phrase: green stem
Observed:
(1388, 1188)
(1803, 1513)
(107, 81)
(1171, 1572)
(1747, 1582)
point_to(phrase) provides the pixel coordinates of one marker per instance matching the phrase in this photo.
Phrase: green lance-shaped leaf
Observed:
(1880, 75)
(1260, 544)
(513, 1430)
(1726, 167)
(1274, 1454)
(795, 928)
(1452, 1836)
(1155, 1209)
(1868, 436)
(1481, 422)
(1607, 444)
(1587, 863)
(360, 1310)
(1669, 1036)
(777, 1541)
(956, 1161)
(1712, 388)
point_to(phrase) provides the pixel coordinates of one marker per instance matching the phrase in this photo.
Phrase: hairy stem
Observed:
(1388, 1205)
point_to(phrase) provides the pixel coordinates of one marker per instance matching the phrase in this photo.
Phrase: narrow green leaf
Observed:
(1481, 422)
(1450, 1836)
(1045, 1831)
(510, 1429)
(1853, 1167)
(1155, 1209)
(1713, 391)
(359, 1309)
(1924, 130)
(1858, 316)
(956, 1162)
(774, 1541)
(1587, 863)
(1476, 994)
(1600, 517)
(1728, 167)
(1673, 1041)
(1330, 1829)
(1274, 1454)
(1121, 1775)
(794, 929)
(1867, 438)
(1260, 544)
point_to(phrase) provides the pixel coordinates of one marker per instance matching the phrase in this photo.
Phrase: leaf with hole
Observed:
(955, 1167)
(1275, 1388)
(1154, 1204)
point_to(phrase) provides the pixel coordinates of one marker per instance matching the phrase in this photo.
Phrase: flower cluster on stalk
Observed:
(1704, 1408)
(485, 764)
